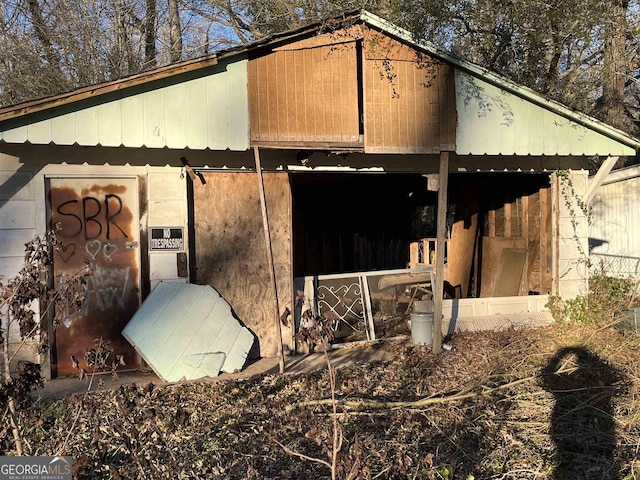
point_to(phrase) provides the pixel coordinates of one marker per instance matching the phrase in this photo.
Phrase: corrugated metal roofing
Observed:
(492, 121)
(198, 108)
(209, 111)
(187, 331)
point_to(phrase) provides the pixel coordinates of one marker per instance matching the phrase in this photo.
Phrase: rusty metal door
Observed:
(99, 224)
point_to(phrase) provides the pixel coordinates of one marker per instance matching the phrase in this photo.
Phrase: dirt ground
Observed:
(58, 388)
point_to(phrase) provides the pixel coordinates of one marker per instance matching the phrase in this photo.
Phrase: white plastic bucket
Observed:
(422, 328)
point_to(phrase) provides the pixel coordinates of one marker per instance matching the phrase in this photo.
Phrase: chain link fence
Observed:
(620, 266)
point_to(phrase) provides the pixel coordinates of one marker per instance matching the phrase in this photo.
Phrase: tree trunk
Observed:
(613, 81)
(175, 32)
(150, 35)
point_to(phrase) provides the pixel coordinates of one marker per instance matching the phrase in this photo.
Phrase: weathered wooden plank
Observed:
(491, 220)
(463, 237)
(398, 82)
(302, 96)
(232, 257)
(507, 217)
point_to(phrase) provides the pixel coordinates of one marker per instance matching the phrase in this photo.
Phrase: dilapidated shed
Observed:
(375, 150)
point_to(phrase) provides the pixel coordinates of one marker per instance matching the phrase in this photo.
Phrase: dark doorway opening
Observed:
(357, 222)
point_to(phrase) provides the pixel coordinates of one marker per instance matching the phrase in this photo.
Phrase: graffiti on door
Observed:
(97, 224)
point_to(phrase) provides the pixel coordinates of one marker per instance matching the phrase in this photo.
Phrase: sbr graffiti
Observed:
(91, 216)
(98, 216)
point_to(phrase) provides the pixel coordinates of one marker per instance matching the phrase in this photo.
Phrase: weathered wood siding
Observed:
(305, 93)
(338, 90)
(231, 254)
(518, 214)
(409, 99)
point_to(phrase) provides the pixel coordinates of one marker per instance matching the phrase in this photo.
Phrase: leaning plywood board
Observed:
(492, 248)
(510, 272)
(186, 331)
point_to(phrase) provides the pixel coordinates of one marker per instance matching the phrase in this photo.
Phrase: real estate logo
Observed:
(35, 468)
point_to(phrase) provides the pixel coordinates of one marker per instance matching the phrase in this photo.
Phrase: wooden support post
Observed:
(599, 178)
(272, 270)
(438, 290)
(507, 217)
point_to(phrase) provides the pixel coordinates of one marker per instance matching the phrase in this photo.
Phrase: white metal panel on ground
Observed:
(493, 121)
(186, 331)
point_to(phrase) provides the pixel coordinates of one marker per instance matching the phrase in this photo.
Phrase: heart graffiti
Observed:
(109, 250)
(93, 248)
(67, 251)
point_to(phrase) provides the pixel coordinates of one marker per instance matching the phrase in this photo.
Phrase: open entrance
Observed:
(364, 244)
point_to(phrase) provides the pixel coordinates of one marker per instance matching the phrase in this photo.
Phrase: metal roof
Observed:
(503, 83)
(203, 104)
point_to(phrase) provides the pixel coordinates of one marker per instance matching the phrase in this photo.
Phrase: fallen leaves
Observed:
(479, 411)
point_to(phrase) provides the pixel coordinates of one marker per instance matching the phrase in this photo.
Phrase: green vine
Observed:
(572, 201)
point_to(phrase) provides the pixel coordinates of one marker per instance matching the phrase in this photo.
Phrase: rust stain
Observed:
(98, 189)
(97, 225)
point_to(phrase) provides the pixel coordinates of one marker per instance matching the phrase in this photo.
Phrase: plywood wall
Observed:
(409, 102)
(305, 93)
(353, 89)
(231, 250)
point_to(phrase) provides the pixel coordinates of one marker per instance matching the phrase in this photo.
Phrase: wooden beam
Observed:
(438, 290)
(492, 221)
(507, 218)
(272, 270)
(598, 178)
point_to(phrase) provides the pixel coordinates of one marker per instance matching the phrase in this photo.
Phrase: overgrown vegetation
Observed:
(553, 403)
(608, 297)
(30, 291)
(497, 410)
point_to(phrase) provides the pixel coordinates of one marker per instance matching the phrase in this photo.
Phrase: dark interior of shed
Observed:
(353, 222)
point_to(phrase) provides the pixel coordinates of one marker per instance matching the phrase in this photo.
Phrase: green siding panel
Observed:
(197, 113)
(492, 121)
